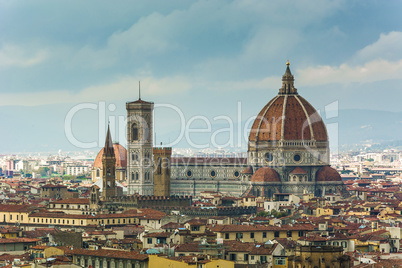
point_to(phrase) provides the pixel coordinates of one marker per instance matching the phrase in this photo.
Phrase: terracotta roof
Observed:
(117, 254)
(188, 247)
(327, 173)
(160, 234)
(248, 170)
(120, 153)
(18, 240)
(298, 170)
(54, 186)
(251, 228)
(298, 116)
(197, 222)
(265, 174)
(16, 208)
(172, 225)
(81, 201)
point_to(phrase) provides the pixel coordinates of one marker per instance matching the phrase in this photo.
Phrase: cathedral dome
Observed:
(288, 116)
(120, 154)
(327, 173)
(265, 174)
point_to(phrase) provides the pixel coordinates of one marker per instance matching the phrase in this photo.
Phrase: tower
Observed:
(139, 147)
(162, 157)
(108, 162)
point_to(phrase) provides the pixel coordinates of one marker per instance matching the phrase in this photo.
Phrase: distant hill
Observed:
(41, 129)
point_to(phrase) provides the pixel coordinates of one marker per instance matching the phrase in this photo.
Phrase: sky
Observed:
(68, 67)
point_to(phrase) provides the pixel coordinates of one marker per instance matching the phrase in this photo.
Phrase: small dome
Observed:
(298, 171)
(120, 153)
(248, 170)
(327, 173)
(265, 174)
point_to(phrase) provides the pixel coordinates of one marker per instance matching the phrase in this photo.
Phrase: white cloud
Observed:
(124, 88)
(377, 70)
(379, 61)
(387, 47)
(14, 56)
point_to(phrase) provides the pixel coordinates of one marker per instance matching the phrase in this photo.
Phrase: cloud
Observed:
(387, 47)
(377, 70)
(379, 61)
(123, 88)
(15, 56)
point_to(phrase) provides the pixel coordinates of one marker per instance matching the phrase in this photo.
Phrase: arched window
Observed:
(159, 166)
(132, 176)
(97, 173)
(134, 132)
(136, 176)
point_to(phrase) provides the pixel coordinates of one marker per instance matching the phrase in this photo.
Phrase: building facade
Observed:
(139, 147)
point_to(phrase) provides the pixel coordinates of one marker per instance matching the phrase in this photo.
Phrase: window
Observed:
(251, 235)
(149, 240)
(263, 259)
(239, 235)
(268, 157)
(246, 257)
(189, 173)
(134, 132)
(213, 174)
(289, 234)
(227, 236)
(301, 233)
(276, 234)
(232, 257)
(252, 258)
(280, 261)
(296, 157)
(159, 166)
(264, 234)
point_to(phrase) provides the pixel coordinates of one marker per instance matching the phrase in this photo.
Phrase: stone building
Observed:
(120, 166)
(139, 147)
(288, 152)
(108, 163)
(162, 160)
(320, 257)
(109, 258)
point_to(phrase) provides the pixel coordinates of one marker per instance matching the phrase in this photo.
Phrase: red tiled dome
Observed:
(298, 170)
(288, 116)
(327, 173)
(269, 124)
(265, 174)
(120, 154)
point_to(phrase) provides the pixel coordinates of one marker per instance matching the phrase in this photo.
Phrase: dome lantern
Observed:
(288, 82)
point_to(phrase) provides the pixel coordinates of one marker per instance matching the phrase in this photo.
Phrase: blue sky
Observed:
(200, 56)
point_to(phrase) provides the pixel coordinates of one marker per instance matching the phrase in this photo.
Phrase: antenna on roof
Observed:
(139, 90)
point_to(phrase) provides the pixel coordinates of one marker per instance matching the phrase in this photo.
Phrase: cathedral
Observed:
(288, 152)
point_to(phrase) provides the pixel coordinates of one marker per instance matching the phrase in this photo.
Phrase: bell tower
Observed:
(140, 177)
(108, 162)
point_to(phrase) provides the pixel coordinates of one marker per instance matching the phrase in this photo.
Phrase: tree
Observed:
(262, 214)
